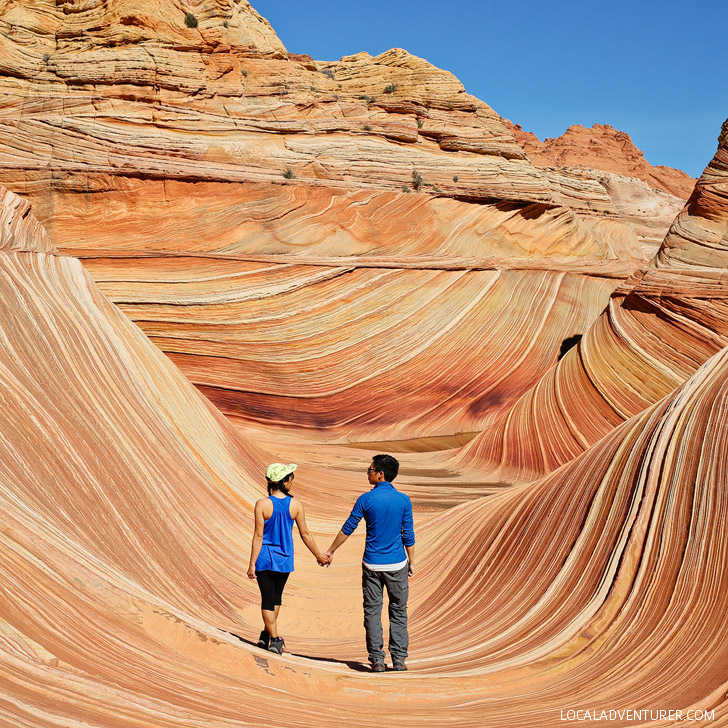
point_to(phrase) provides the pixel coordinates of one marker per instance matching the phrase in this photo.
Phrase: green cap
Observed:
(277, 471)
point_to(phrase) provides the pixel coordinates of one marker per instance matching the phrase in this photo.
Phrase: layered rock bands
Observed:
(241, 256)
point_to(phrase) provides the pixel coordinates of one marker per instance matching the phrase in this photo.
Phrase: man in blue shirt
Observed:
(388, 560)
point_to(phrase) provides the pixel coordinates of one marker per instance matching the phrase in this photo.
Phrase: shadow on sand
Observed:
(356, 666)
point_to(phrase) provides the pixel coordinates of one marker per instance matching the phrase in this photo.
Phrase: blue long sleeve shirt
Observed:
(388, 515)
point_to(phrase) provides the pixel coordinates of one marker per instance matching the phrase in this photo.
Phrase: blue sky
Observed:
(655, 69)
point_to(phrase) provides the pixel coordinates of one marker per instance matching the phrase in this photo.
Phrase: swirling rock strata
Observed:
(306, 223)
(585, 573)
(659, 327)
(134, 132)
(142, 95)
(20, 231)
(97, 93)
(299, 306)
(92, 414)
(125, 499)
(333, 348)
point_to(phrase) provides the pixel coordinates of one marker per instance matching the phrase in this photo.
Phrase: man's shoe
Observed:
(399, 666)
(378, 667)
(264, 640)
(276, 645)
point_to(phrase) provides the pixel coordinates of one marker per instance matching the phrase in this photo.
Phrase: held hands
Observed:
(324, 559)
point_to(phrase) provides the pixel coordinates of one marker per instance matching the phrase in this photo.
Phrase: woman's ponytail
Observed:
(280, 485)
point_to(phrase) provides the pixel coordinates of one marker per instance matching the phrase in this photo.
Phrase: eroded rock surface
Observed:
(195, 170)
(246, 208)
(660, 325)
(126, 505)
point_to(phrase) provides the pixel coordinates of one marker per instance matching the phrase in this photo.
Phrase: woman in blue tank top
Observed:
(271, 556)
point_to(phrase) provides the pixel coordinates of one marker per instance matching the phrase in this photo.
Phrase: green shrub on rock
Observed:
(416, 180)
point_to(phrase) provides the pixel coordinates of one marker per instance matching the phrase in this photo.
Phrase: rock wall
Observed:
(659, 327)
(152, 149)
(126, 501)
(330, 301)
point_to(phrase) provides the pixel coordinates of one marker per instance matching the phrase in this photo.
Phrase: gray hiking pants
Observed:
(397, 584)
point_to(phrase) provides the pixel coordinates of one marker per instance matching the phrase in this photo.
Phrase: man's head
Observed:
(383, 468)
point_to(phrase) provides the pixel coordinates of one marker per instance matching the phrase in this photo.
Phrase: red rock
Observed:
(151, 138)
(332, 299)
(659, 327)
(126, 506)
(604, 148)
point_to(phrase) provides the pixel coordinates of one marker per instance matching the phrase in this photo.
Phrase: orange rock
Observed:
(324, 304)
(603, 148)
(126, 509)
(658, 328)
(151, 138)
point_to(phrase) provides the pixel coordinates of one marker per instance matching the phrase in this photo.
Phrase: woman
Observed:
(271, 557)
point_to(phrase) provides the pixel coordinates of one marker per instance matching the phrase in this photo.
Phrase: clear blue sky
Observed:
(657, 69)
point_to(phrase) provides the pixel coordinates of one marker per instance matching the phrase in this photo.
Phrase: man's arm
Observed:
(340, 538)
(357, 513)
(411, 558)
(408, 535)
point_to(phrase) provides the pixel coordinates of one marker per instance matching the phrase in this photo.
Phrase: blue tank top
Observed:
(276, 554)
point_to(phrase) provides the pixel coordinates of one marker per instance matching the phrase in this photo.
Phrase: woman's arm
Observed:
(257, 537)
(306, 536)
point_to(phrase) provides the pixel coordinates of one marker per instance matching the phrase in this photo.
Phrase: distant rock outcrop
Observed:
(604, 148)
(99, 93)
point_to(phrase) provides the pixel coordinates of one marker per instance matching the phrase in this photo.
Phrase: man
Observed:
(388, 560)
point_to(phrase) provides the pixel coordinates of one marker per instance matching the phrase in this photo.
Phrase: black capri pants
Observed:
(271, 585)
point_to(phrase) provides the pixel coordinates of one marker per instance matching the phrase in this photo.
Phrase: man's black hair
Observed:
(387, 464)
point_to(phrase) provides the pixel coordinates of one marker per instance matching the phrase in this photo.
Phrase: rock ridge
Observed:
(604, 148)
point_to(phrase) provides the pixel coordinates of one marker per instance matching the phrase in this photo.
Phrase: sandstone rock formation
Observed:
(660, 325)
(647, 197)
(621, 566)
(602, 148)
(126, 498)
(194, 169)
(245, 207)
(144, 96)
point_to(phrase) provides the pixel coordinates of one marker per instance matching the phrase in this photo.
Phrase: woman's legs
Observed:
(271, 585)
(270, 621)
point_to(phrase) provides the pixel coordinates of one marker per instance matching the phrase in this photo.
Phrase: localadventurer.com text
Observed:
(638, 715)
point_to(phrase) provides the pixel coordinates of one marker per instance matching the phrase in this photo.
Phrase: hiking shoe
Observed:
(378, 667)
(264, 640)
(399, 666)
(276, 645)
